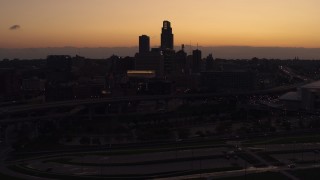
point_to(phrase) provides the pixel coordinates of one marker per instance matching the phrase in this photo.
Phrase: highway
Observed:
(33, 107)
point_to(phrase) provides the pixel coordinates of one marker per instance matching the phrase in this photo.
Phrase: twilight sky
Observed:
(111, 23)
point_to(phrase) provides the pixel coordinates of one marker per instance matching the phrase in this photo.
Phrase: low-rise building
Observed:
(307, 98)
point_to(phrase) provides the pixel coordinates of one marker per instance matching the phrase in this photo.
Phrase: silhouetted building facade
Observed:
(196, 61)
(33, 87)
(154, 87)
(144, 44)
(90, 88)
(9, 84)
(180, 64)
(227, 81)
(59, 86)
(168, 62)
(209, 62)
(166, 36)
(59, 68)
(152, 60)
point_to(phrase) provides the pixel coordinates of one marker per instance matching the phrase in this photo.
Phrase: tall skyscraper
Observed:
(144, 44)
(166, 36)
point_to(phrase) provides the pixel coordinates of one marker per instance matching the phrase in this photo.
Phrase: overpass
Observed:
(72, 103)
(12, 117)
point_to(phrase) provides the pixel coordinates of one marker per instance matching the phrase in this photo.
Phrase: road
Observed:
(268, 164)
(33, 107)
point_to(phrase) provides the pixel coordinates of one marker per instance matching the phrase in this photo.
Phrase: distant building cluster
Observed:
(186, 69)
(157, 70)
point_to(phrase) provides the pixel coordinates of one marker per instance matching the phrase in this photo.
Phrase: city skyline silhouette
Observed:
(123, 89)
(41, 24)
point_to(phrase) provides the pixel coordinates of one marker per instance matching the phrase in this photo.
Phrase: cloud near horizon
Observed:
(15, 27)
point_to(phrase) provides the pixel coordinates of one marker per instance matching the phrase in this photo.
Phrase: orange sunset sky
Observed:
(114, 23)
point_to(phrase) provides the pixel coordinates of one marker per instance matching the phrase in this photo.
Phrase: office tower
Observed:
(152, 60)
(181, 62)
(209, 62)
(168, 61)
(144, 44)
(196, 61)
(166, 36)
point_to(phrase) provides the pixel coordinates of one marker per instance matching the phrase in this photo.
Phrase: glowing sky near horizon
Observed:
(114, 23)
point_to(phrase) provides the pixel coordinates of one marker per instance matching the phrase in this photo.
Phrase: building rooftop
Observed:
(291, 96)
(313, 85)
(141, 73)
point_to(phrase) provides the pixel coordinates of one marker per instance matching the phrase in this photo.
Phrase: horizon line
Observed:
(97, 47)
